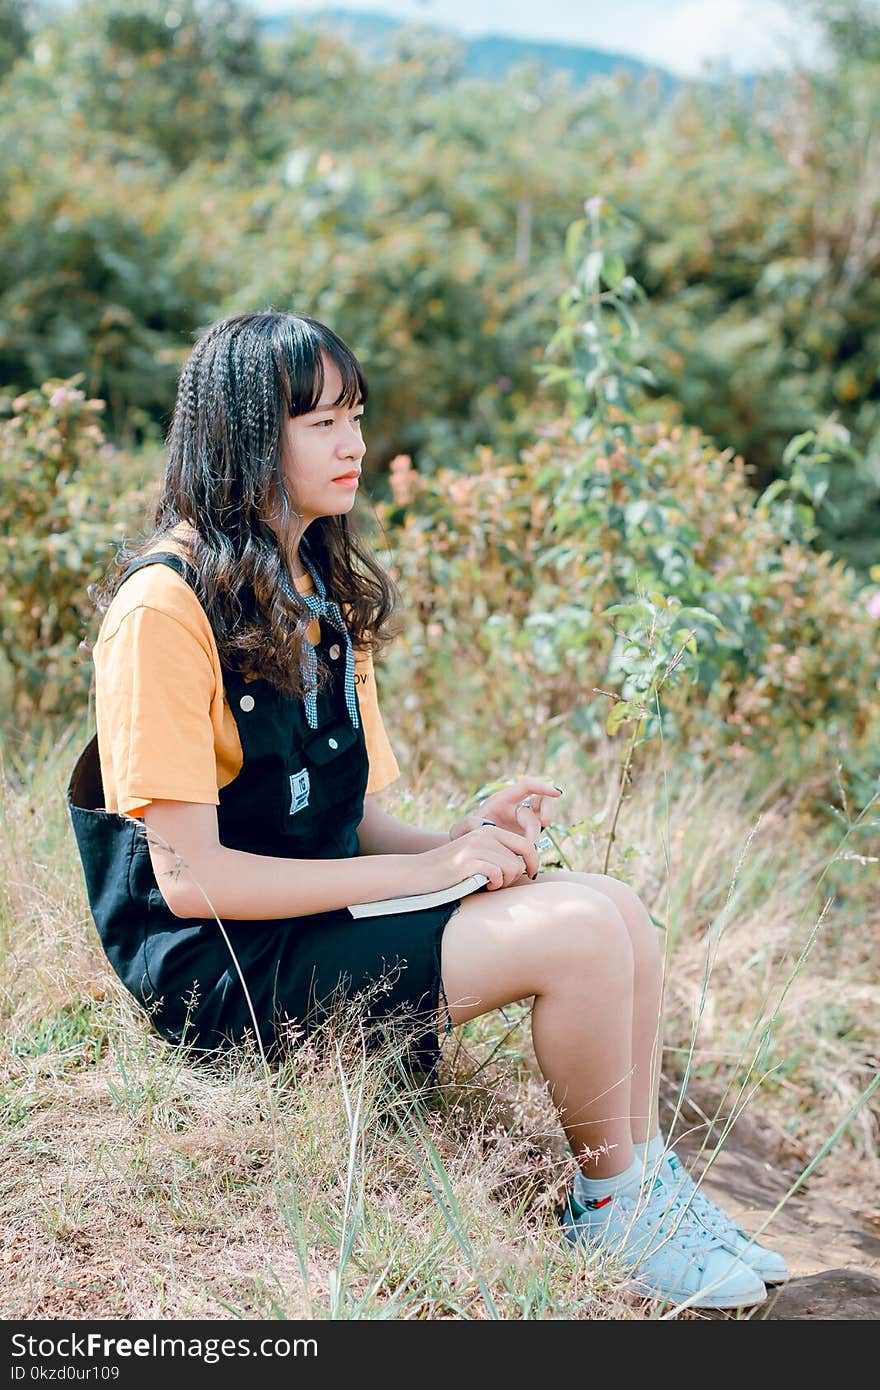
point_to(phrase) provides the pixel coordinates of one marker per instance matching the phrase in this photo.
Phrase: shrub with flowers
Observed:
(507, 579)
(67, 498)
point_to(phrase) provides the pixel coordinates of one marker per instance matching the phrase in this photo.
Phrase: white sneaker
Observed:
(672, 1257)
(769, 1265)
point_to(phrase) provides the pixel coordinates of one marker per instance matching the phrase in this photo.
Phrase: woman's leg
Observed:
(648, 959)
(569, 946)
(648, 945)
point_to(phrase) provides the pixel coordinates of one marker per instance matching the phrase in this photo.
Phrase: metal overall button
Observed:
(334, 651)
(326, 747)
(247, 703)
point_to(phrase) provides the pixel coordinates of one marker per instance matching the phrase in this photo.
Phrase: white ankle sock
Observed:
(651, 1152)
(594, 1189)
(647, 1157)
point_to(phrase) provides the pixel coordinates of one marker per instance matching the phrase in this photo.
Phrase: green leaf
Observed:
(771, 492)
(613, 270)
(573, 238)
(796, 446)
(592, 269)
(620, 713)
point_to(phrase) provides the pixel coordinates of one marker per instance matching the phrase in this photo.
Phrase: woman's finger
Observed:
(536, 786)
(507, 799)
(529, 821)
(505, 809)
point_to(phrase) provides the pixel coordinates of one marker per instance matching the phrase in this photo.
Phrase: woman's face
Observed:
(322, 446)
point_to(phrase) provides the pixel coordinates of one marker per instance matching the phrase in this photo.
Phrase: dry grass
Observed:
(138, 1184)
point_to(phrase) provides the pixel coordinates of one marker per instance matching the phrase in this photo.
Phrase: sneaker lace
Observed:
(667, 1214)
(701, 1206)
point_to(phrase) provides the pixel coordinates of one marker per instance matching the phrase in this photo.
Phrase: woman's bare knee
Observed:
(532, 940)
(588, 933)
(648, 941)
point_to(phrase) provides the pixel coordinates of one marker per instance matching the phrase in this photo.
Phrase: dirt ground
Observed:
(828, 1231)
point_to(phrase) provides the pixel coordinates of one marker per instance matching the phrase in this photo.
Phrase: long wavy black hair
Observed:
(223, 475)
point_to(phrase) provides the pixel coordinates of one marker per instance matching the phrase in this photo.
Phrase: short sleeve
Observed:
(154, 683)
(383, 764)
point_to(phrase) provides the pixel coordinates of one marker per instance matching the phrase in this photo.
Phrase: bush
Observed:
(508, 567)
(67, 499)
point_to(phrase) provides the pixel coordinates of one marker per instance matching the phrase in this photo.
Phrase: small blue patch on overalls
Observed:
(299, 790)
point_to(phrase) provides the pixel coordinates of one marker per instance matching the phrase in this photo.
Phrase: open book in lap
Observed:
(411, 902)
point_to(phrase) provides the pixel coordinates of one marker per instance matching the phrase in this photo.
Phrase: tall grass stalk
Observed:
(353, 1206)
(437, 1181)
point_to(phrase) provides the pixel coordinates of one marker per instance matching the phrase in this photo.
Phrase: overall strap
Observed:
(164, 557)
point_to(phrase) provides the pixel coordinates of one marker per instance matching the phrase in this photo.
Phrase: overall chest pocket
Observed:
(324, 772)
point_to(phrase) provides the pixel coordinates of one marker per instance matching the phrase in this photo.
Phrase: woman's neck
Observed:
(295, 563)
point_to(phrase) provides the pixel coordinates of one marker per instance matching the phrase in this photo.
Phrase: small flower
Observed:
(873, 605)
(461, 490)
(403, 479)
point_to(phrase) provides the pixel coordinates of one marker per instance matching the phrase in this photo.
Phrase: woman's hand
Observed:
(505, 809)
(502, 855)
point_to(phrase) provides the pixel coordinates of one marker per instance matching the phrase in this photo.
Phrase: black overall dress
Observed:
(299, 794)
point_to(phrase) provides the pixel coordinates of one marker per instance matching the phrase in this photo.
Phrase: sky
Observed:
(680, 35)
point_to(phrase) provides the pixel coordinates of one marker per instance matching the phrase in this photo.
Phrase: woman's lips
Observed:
(348, 479)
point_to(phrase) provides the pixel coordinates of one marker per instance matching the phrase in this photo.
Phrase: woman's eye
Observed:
(320, 423)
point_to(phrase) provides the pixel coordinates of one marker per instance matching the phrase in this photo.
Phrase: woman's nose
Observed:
(353, 444)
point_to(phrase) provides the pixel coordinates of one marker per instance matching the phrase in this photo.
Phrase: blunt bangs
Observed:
(302, 341)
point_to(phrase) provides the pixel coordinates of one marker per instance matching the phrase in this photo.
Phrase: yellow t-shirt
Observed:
(165, 729)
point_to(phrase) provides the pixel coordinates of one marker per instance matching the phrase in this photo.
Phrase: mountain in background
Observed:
(489, 57)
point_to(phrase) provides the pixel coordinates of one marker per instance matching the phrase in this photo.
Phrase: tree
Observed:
(14, 32)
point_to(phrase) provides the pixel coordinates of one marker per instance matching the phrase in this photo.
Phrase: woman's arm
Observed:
(379, 833)
(200, 877)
